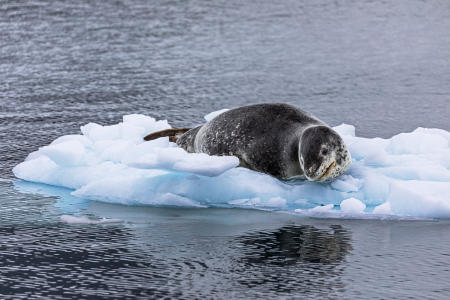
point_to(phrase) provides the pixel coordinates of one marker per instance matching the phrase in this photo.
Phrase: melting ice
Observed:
(406, 175)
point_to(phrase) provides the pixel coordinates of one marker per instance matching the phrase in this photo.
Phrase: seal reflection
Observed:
(294, 259)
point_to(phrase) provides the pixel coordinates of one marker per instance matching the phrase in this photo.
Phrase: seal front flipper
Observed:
(173, 134)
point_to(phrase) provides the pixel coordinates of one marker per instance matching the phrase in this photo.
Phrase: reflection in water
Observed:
(193, 254)
(292, 244)
(295, 260)
(66, 202)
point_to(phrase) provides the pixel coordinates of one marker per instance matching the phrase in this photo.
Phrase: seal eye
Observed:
(324, 151)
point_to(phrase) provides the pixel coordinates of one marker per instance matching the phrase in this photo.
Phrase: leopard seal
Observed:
(274, 138)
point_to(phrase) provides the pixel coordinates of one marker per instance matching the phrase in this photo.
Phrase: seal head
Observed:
(323, 155)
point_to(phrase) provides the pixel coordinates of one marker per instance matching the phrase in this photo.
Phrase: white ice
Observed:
(214, 114)
(406, 175)
(85, 220)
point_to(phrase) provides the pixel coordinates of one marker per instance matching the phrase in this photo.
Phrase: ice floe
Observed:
(406, 175)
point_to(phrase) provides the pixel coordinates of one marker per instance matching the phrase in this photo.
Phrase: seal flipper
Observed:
(173, 134)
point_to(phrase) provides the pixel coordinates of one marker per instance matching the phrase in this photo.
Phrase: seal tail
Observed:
(173, 134)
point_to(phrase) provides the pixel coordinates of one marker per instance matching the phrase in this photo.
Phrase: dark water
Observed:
(383, 66)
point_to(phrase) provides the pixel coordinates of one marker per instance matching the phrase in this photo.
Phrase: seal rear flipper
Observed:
(173, 134)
